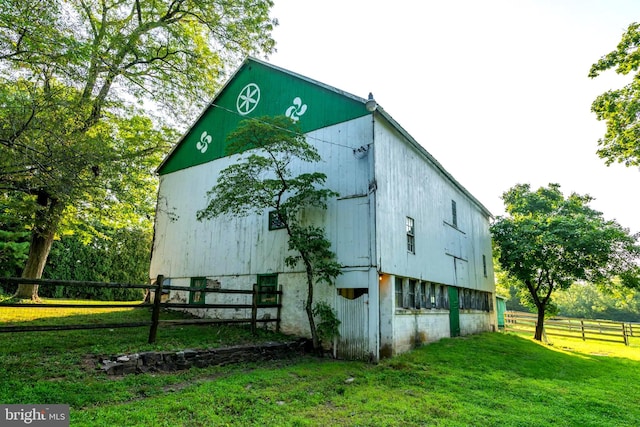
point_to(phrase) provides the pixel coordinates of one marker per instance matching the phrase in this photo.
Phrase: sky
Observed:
(496, 90)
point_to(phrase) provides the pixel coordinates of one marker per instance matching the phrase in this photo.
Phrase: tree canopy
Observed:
(77, 136)
(264, 180)
(620, 108)
(549, 241)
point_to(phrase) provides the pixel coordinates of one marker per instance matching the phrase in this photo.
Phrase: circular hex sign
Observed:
(248, 99)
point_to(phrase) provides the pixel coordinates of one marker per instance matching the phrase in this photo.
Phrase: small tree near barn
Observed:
(264, 180)
(549, 242)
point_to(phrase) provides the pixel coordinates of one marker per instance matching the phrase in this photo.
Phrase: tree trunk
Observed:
(540, 323)
(309, 310)
(44, 229)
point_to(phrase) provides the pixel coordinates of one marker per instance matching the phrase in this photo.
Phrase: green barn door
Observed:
(454, 311)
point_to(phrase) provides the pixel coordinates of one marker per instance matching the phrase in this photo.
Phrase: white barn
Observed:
(414, 243)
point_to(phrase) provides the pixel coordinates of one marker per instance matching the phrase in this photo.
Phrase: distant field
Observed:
(12, 315)
(486, 380)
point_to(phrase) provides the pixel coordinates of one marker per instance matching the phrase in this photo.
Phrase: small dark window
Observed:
(454, 214)
(267, 283)
(275, 222)
(422, 297)
(198, 284)
(411, 236)
(484, 265)
(432, 295)
(411, 295)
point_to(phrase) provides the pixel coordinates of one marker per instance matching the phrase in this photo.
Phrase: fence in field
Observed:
(156, 304)
(585, 329)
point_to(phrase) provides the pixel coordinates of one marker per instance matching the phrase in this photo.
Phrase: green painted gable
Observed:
(259, 89)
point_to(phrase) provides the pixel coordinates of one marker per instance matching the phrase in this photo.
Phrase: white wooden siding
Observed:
(409, 185)
(185, 247)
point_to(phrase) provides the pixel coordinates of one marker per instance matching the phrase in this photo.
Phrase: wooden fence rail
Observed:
(156, 305)
(585, 329)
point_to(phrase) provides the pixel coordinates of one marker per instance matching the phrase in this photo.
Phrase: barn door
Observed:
(454, 311)
(353, 342)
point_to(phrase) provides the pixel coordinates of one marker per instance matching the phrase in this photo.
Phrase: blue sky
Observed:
(496, 90)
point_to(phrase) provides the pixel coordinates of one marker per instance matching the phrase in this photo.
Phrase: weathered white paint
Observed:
(475, 321)
(413, 328)
(409, 185)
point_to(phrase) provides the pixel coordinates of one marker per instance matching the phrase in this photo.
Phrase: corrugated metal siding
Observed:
(353, 342)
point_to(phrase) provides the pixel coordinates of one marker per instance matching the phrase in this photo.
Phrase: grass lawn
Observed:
(484, 380)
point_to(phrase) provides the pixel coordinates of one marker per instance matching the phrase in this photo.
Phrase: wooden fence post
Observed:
(254, 308)
(155, 314)
(279, 299)
(582, 330)
(624, 334)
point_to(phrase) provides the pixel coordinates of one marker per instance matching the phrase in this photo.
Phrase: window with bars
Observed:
(471, 299)
(411, 235)
(411, 295)
(422, 296)
(399, 293)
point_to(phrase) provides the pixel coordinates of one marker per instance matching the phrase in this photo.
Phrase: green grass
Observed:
(484, 380)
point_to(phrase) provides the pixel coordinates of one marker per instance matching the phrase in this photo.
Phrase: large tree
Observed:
(620, 108)
(549, 241)
(264, 180)
(74, 77)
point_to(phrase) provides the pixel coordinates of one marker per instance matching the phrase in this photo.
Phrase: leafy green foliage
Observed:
(14, 239)
(328, 325)
(115, 255)
(620, 108)
(548, 242)
(310, 242)
(264, 179)
(75, 142)
(588, 301)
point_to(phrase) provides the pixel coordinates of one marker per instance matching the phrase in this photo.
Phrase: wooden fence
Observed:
(585, 329)
(156, 305)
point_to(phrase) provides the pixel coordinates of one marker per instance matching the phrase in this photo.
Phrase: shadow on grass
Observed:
(117, 339)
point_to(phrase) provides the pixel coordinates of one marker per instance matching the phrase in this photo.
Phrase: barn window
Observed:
(198, 284)
(267, 283)
(275, 222)
(422, 296)
(411, 236)
(432, 295)
(454, 214)
(411, 295)
(399, 293)
(484, 265)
